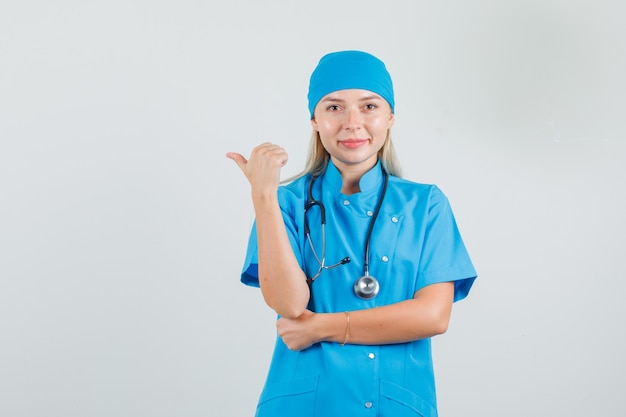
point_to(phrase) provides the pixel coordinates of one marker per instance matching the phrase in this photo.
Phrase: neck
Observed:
(351, 176)
(351, 186)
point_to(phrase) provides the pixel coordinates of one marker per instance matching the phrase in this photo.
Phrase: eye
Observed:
(332, 107)
(370, 106)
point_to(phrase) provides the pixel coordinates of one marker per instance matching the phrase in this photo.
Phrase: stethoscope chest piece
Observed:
(366, 287)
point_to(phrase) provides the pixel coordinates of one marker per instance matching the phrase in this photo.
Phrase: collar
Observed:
(371, 181)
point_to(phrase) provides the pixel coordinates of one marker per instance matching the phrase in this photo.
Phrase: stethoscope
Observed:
(366, 287)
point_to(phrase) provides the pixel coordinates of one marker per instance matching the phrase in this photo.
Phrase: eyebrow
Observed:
(338, 100)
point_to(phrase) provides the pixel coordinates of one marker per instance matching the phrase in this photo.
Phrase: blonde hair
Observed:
(318, 158)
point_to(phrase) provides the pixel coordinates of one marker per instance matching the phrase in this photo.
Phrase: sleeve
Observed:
(444, 256)
(250, 272)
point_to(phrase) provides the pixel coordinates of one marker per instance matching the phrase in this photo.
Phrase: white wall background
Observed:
(123, 226)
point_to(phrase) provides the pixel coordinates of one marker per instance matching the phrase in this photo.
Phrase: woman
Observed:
(361, 266)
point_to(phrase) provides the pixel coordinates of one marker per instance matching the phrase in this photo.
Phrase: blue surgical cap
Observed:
(346, 70)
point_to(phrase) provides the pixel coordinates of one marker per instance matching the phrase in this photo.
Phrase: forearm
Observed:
(281, 279)
(418, 318)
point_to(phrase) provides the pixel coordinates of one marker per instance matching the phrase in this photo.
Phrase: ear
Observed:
(314, 125)
(392, 119)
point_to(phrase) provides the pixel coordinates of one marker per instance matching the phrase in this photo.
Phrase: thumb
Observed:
(238, 158)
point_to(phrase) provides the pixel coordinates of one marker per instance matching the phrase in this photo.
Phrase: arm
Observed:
(425, 315)
(281, 279)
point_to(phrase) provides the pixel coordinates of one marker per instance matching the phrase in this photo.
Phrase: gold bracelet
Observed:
(347, 336)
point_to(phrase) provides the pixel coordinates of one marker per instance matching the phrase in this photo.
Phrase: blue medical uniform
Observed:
(415, 242)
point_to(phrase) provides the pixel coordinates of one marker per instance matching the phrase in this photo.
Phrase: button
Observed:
(394, 219)
(371, 356)
(368, 404)
(370, 213)
(346, 202)
(385, 259)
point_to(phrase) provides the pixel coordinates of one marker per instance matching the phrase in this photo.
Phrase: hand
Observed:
(299, 333)
(263, 168)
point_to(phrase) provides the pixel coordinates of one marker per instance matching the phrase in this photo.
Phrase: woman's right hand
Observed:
(263, 167)
(281, 279)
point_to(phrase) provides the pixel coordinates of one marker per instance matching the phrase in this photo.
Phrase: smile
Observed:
(353, 143)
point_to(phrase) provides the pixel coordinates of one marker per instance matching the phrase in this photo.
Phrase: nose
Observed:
(354, 119)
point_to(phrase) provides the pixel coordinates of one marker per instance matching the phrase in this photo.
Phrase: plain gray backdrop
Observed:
(123, 227)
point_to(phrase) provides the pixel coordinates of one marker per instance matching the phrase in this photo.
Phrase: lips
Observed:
(353, 143)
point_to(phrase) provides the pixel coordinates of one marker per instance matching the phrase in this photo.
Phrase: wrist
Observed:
(263, 200)
(333, 327)
(346, 336)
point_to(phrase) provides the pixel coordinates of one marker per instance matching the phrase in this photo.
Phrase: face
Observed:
(353, 127)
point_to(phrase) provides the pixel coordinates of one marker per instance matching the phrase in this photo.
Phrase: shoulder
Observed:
(408, 187)
(293, 194)
(296, 187)
(417, 197)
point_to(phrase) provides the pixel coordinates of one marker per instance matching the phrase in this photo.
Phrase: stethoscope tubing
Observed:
(370, 228)
(311, 202)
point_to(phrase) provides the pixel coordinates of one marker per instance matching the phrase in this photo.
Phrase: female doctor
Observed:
(361, 266)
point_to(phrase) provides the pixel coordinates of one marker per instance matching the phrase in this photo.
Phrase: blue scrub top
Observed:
(415, 242)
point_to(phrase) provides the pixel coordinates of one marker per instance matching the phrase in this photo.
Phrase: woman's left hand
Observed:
(298, 333)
